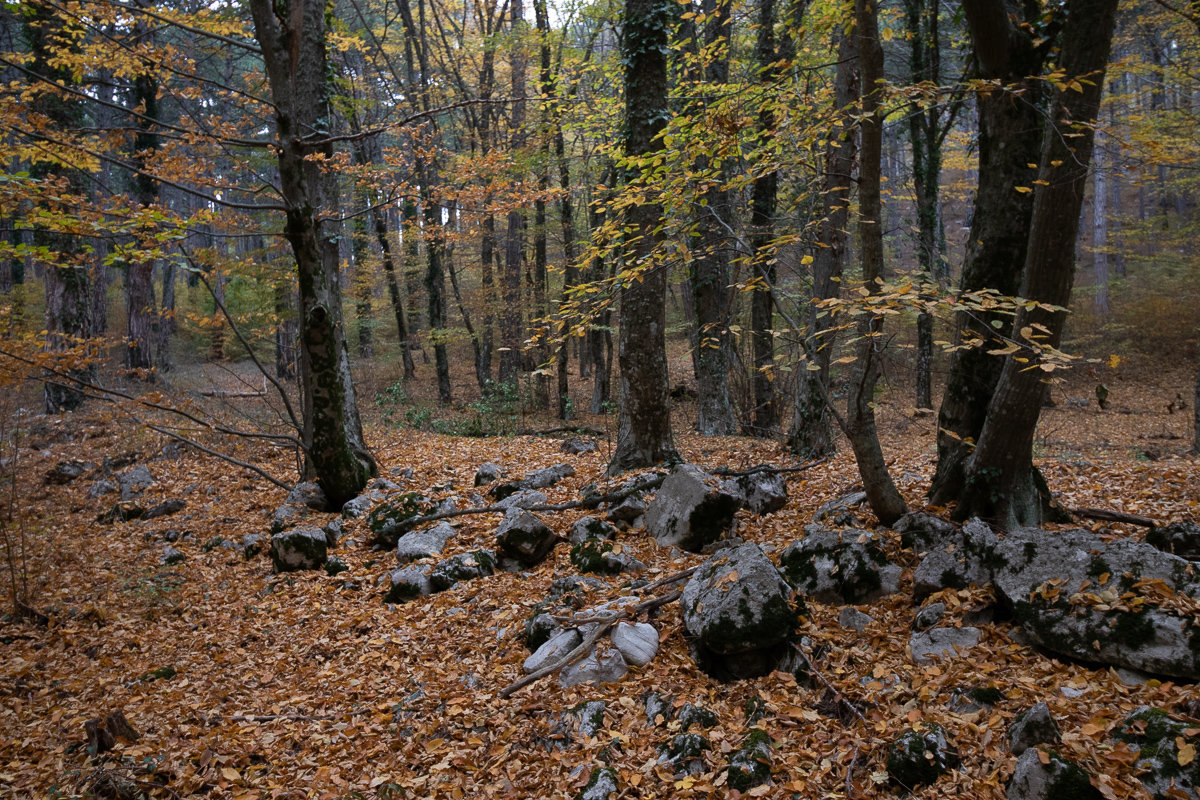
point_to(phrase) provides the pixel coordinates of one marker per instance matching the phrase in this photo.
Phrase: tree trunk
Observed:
(884, 498)
(1000, 482)
(285, 331)
(1010, 139)
(811, 433)
(294, 56)
(1100, 226)
(142, 319)
(511, 339)
(644, 431)
(710, 266)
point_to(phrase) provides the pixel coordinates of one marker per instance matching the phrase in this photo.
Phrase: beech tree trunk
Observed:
(1001, 483)
(293, 48)
(811, 433)
(644, 431)
(511, 339)
(142, 319)
(884, 498)
(67, 275)
(1010, 139)
(710, 266)
(1100, 226)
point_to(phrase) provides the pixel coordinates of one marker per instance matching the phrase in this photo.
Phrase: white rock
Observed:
(599, 666)
(636, 642)
(553, 649)
(926, 645)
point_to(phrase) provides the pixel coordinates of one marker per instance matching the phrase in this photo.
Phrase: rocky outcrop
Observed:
(839, 567)
(1157, 738)
(423, 543)
(737, 610)
(691, 509)
(1043, 775)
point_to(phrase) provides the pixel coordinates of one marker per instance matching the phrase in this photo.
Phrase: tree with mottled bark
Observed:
(292, 39)
(644, 431)
(1000, 482)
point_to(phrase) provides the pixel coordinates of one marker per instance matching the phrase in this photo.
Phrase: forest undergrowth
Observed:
(247, 684)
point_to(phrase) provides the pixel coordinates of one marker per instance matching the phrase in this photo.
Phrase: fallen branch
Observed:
(570, 658)
(669, 579)
(1112, 516)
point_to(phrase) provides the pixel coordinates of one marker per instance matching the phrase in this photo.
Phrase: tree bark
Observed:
(811, 432)
(1010, 139)
(710, 265)
(644, 431)
(511, 339)
(1001, 483)
(142, 319)
(294, 56)
(884, 498)
(1100, 226)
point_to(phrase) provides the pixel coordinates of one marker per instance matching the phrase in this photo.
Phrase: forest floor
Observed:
(307, 685)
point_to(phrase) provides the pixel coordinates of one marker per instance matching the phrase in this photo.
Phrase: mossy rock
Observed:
(1155, 735)
(389, 520)
(690, 715)
(921, 756)
(590, 556)
(462, 567)
(1046, 775)
(601, 785)
(684, 752)
(750, 764)
(335, 566)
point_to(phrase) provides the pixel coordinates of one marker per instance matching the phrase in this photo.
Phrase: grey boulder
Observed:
(299, 549)
(941, 643)
(524, 538)
(1056, 779)
(636, 642)
(602, 665)
(761, 492)
(737, 608)
(1033, 727)
(1178, 538)
(553, 649)
(691, 509)
(133, 481)
(462, 567)
(839, 567)
(423, 543)
(590, 528)
(409, 583)
(308, 494)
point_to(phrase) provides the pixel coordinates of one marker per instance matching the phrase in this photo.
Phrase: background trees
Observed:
(696, 180)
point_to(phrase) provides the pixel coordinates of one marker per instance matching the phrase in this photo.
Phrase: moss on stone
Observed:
(919, 757)
(1132, 629)
(589, 557)
(387, 520)
(1069, 781)
(986, 695)
(750, 765)
(335, 566)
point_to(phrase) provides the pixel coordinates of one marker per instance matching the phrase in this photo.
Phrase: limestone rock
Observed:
(298, 549)
(941, 642)
(525, 538)
(1033, 727)
(853, 619)
(737, 608)
(1058, 779)
(333, 530)
(539, 479)
(553, 649)
(133, 481)
(957, 559)
(424, 543)
(691, 509)
(308, 494)
(839, 567)
(409, 583)
(252, 545)
(591, 528)
(525, 498)
(1156, 735)
(602, 557)
(602, 665)
(750, 764)
(628, 510)
(920, 756)
(761, 492)
(65, 472)
(288, 515)
(1039, 571)
(840, 511)
(684, 753)
(390, 520)
(165, 508)
(637, 642)
(588, 717)
(929, 616)
(920, 530)
(601, 785)
(488, 473)
(576, 446)
(1178, 538)
(462, 567)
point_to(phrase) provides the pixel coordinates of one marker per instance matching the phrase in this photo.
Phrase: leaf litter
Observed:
(305, 685)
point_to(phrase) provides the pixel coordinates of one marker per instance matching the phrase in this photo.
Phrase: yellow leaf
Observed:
(1113, 361)
(1186, 753)
(1023, 189)
(230, 774)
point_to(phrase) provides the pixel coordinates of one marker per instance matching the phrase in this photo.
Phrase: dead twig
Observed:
(1112, 516)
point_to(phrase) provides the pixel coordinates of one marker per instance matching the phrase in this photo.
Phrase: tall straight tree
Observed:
(1000, 481)
(884, 498)
(511, 339)
(644, 431)
(710, 265)
(292, 38)
(811, 432)
(67, 274)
